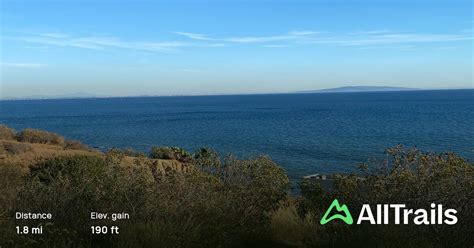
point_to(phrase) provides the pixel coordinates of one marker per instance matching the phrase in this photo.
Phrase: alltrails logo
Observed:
(436, 215)
(347, 217)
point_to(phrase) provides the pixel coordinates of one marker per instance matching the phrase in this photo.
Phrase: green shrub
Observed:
(408, 176)
(11, 183)
(69, 187)
(38, 136)
(223, 207)
(261, 180)
(175, 153)
(257, 187)
(133, 153)
(7, 133)
(206, 159)
(231, 202)
(314, 196)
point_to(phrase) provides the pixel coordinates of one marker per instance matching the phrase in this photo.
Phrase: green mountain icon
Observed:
(347, 217)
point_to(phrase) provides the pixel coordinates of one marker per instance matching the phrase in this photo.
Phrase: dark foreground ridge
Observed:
(179, 199)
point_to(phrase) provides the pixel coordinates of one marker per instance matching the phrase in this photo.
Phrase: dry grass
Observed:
(31, 145)
(42, 137)
(289, 228)
(26, 154)
(7, 133)
(14, 148)
(75, 145)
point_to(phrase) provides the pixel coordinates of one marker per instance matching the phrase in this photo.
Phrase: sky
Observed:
(130, 48)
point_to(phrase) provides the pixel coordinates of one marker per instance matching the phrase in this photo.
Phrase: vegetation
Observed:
(14, 148)
(408, 176)
(7, 133)
(42, 137)
(199, 199)
(175, 153)
(74, 145)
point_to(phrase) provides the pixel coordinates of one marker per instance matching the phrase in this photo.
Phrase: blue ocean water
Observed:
(304, 133)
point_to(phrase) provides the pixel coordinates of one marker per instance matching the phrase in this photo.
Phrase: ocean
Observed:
(304, 133)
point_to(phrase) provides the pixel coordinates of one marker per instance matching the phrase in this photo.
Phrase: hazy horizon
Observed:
(237, 47)
(79, 95)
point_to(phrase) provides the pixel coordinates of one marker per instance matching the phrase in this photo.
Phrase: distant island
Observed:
(65, 96)
(77, 95)
(359, 89)
(345, 89)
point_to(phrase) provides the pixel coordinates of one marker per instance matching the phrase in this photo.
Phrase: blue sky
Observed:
(126, 48)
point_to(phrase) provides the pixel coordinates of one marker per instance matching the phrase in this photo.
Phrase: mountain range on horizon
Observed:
(76, 95)
(360, 89)
(344, 89)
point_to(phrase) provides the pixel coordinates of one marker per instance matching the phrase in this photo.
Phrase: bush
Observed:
(411, 177)
(11, 182)
(175, 153)
(220, 208)
(133, 153)
(63, 183)
(38, 136)
(231, 202)
(129, 152)
(15, 148)
(315, 197)
(75, 145)
(260, 180)
(206, 159)
(290, 229)
(7, 133)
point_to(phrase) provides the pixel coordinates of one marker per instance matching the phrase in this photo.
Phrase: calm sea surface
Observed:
(304, 133)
